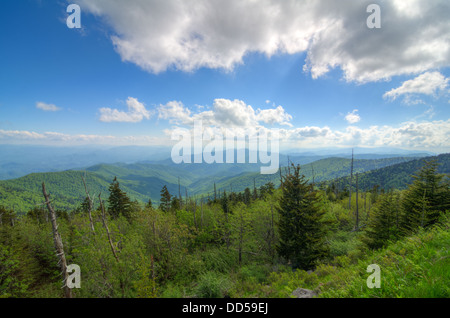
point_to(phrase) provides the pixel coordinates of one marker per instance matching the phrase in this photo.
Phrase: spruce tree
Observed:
(166, 200)
(175, 204)
(425, 199)
(149, 204)
(301, 229)
(247, 196)
(382, 225)
(118, 202)
(225, 202)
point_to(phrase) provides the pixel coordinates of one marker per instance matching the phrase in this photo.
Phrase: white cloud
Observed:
(353, 117)
(136, 113)
(225, 113)
(274, 116)
(426, 135)
(191, 34)
(47, 107)
(56, 138)
(429, 83)
(175, 112)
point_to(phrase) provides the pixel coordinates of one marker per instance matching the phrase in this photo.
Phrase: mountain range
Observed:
(143, 180)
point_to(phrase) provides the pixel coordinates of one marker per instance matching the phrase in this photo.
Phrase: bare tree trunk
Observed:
(357, 207)
(195, 212)
(350, 188)
(179, 192)
(107, 229)
(91, 203)
(201, 213)
(58, 243)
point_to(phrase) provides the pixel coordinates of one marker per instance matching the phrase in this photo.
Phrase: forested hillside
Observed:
(144, 181)
(396, 176)
(264, 242)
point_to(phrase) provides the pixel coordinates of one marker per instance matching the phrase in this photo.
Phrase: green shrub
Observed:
(213, 285)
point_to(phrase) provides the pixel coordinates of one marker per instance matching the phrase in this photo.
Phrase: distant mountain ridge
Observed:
(20, 160)
(396, 176)
(144, 181)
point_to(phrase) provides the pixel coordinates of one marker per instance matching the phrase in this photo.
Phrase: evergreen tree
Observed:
(247, 196)
(166, 200)
(225, 202)
(301, 229)
(118, 202)
(383, 223)
(175, 204)
(425, 199)
(149, 204)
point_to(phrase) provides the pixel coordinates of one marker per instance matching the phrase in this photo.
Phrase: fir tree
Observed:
(425, 199)
(247, 196)
(118, 202)
(225, 202)
(149, 204)
(302, 232)
(166, 200)
(175, 204)
(383, 223)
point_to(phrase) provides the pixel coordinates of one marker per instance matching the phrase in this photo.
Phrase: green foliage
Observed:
(10, 283)
(228, 246)
(166, 200)
(301, 227)
(213, 285)
(394, 176)
(425, 199)
(383, 225)
(119, 203)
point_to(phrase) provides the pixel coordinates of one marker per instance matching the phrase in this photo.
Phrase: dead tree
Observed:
(357, 208)
(58, 243)
(90, 206)
(179, 193)
(195, 212)
(201, 213)
(350, 187)
(107, 229)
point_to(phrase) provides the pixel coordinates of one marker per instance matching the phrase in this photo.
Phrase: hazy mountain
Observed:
(20, 160)
(143, 181)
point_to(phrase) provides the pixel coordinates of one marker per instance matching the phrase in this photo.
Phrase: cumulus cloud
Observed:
(353, 117)
(225, 113)
(136, 113)
(57, 138)
(274, 116)
(426, 135)
(47, 107)
(429, 83)
(191, 34)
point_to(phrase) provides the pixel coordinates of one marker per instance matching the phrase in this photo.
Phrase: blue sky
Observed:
(63, 86)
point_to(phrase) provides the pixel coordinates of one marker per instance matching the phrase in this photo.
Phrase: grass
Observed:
(414, 267)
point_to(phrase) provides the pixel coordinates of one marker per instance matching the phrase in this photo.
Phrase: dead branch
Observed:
(58, 243)
(91, 203)
(107, 229)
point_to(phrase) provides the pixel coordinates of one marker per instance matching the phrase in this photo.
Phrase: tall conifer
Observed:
(302, 231)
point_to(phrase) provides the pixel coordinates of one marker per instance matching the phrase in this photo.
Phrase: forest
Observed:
(265, 241)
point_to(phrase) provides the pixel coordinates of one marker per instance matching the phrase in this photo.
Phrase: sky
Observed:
(138, 70)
